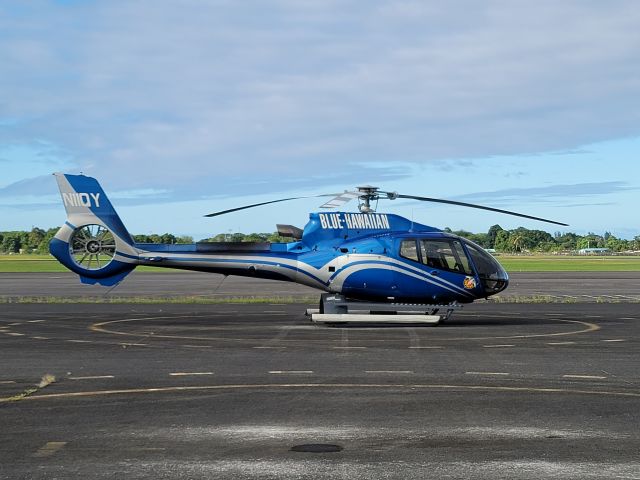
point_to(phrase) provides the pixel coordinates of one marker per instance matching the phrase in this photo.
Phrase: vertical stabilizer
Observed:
(93, 242)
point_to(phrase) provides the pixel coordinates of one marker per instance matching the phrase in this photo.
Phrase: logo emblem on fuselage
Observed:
(469, 283)
(358, 221)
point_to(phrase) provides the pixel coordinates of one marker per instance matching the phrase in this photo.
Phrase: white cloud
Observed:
(193, 96)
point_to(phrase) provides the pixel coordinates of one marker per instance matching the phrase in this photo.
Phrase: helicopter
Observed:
(372, 266)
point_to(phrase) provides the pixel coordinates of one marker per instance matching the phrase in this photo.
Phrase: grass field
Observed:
(45, 264)
(557, 263)
(535, 263)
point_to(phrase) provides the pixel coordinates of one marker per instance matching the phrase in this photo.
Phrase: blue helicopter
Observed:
(365, 261)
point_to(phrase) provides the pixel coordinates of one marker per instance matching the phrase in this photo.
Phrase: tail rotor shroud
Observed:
(92, 247)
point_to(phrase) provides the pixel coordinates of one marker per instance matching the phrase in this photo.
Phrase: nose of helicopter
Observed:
(493, 277)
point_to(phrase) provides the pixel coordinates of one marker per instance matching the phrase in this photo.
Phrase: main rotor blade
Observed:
(471, 205)
(222, 212)
(340, 199)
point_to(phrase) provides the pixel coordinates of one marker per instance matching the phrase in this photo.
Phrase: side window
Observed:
(445, 255)
(462, 259)
(408, 250)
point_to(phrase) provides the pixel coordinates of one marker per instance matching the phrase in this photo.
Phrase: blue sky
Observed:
(183, 108)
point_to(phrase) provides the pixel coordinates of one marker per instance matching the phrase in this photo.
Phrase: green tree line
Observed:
(37, 240)
(524, 240)
(508, 241)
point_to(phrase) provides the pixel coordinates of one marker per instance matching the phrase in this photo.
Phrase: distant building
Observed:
(593, 251)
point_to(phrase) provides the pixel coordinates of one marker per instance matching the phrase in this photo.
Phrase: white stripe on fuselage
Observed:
(322, 273)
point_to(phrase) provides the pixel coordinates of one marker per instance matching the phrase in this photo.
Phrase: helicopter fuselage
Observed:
(362, 256)
(391, 260)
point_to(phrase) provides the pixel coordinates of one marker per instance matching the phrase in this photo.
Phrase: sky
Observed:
(185, 108)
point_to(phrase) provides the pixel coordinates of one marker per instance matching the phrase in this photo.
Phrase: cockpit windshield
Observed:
(493, 277)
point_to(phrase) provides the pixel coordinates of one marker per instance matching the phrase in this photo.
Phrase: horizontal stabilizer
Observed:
(289, 231)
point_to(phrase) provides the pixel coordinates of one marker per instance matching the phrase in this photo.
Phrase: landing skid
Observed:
(335, 308)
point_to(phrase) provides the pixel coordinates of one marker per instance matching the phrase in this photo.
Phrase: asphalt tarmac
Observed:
(574, 286)
(256, 391)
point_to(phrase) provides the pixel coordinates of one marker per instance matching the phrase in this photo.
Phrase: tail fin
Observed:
(93, 242)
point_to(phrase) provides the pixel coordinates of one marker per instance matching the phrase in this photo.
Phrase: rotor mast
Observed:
(367, 194)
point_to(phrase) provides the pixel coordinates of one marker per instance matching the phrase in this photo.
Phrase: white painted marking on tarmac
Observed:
(498, 346)
(392, 372)
(554, 314)
(270, 348)
(14, 324)
(186, 374)
(426, 348)
(124, 344)
(290, 372)
(36, 321)
(487, 373)
(40, 338)
(49, 449)
(6, 382)
(350, 348)
(561, 343)
(79, 341)
(92, 377)
(197, 346)
(627, 318)
(14, 334)
(587, 377)
(615, 340)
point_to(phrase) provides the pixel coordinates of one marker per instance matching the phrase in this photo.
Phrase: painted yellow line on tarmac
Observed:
(105, 327)
(587, 377)
(94, 377)
(185, 374)
(483, 388)
(49, 449)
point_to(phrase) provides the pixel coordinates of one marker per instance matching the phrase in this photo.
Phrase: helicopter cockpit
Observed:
(493, 277)
(449, 255)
